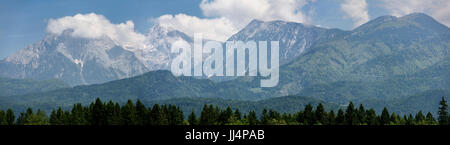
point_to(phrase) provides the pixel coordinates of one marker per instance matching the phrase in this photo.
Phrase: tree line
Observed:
(112, 113)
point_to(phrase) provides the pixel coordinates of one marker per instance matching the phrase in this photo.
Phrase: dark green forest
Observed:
(161, 87)
(130, 113)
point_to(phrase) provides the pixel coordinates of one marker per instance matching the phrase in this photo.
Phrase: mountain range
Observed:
(83, 61)
(400, 62)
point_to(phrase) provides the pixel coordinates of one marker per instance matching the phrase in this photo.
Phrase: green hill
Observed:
(9, 87)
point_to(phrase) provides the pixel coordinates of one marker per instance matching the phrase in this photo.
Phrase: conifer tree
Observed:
(10, 117)
(320, 114)
(410, 120)
(361, 114)
(287, 117)
(274, 115)
(420, 118)
(225, 116)
(192, 118)
(53, 119)
(331, 118)
(308, 115)
(265, 117)
(141, 113)
(350, 114)
(443, 112)
(57, 117)
(40, 118)
(25, 117)
(252, 119)
(112, 115)
(67, 118)
(21, 120)
(371, 117)
(174, 115)
(128, 113)
(385, 117)
(98, 113)
(2, 117)
(340, 118)
(158, 115)
(78, 115)
(205, 115)
(215, 113)
(300, 117)
(430, 119)
(395, 119)
(118, 113)
(237, 114)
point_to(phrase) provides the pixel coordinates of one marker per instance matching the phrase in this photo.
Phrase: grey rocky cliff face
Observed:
(82, 61)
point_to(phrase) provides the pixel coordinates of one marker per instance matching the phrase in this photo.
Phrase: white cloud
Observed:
(240, 12)
(95, 26)
(357, 10)
(439, 9)
(229, 16)
(215, 29)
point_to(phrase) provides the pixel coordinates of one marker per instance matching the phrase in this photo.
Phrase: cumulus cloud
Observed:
(240, 12)
(356, 10)
(439, 9)
(215, 29)
(229, 16)
(95, 26)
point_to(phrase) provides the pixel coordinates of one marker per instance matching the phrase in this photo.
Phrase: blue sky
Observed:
(24, 22)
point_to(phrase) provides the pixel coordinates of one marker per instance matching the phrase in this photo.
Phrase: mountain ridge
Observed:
(358, 65)
(79, 61)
